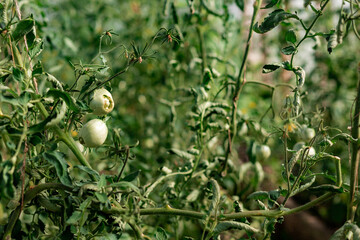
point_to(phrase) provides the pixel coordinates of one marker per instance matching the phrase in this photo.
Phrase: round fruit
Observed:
(307, 133)
(300, 145)
(93, 133)
(262, 152)
(102, 102)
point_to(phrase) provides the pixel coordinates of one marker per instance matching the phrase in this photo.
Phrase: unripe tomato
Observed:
(300, 145)
(307, 133)
(102, 102)
(262, 152)
(93, 133)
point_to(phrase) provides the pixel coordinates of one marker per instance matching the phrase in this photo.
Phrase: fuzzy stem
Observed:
(240, 84)
(29, 195)
(354, 155)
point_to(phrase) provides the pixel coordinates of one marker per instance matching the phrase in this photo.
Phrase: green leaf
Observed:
(65, 96)
(75, 217)
(18, 75)
(85, 204)
(102, 181)
(341, 233)
(38, 69)
(101, 196)
(215, 189)
(268, 68)
(22, 28)
(58, 161)
(181, 154)
(259, 195)
(226, 225)
(131, 177)
(240, 4)
(38, 127)
(160, 234)
(303, 187)
(125, 186)
(7, 189)
(36, 48)
(290, 36)
(274, 19)
(88, 170)
(288, 50)
(270, 3)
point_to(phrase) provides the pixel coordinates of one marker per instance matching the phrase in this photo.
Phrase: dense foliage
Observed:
(177, 119)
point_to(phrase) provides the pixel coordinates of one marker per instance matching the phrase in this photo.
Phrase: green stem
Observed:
(311, 204)
(69, 141)
(354, 155)
(240, 84)
(29, 195)
(307, 30)
(169, 211)
(210, 10)
(202, 48)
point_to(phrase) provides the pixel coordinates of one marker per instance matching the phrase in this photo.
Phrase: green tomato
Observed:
(307, 133)
(102, 102)
(93, 133)
(262, 152)
(301, 145)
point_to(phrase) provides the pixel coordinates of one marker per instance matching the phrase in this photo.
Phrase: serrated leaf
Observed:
(102, 197)
(290, 36)
(37, 69)
(259, 195)
(215, 189)
(160, 234)
(22, 28)
(36, 48)
(88, 170)
(226, 225)
(216, 111)
(126, 185)
(270, 3)
(65, 96)
(303, 187)
(17, 74)
(57, 160)
(288, 50)
(268, 68)
(294, 159)
(274, 19)
(85, 204)
(74, 218)
(341, 233)
(181, 154)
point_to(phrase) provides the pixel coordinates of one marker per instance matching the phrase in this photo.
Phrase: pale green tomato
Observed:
(262, 152)
(300, 145)
(93, 133)
(102, 102)
(307, 133)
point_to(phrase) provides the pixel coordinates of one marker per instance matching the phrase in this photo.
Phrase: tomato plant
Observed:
(178, 119)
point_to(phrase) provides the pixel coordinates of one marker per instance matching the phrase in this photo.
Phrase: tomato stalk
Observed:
(240, 83)
(354, 168)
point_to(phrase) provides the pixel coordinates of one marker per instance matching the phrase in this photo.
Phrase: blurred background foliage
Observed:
(153, 99)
